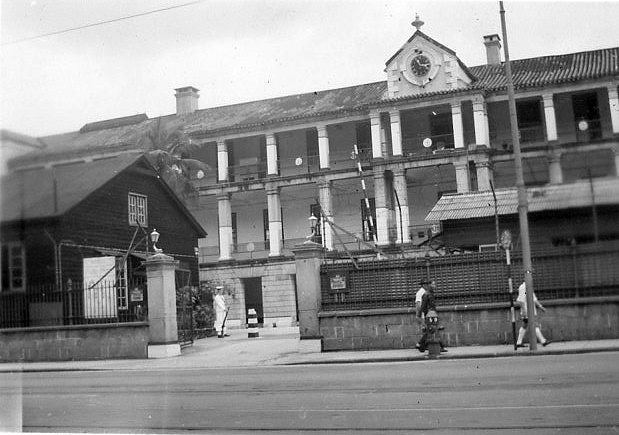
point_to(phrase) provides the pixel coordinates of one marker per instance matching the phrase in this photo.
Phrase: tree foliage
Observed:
(170, 152)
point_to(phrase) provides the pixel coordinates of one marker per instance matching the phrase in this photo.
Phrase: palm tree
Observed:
(170, 151)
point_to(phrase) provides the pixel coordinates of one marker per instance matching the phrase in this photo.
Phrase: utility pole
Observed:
(523, 204)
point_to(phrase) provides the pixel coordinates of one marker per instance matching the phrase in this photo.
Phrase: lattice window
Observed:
(13, 266)
(138, 209)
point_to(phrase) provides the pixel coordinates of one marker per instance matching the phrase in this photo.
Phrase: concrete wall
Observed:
(82, 342)
(576, 319)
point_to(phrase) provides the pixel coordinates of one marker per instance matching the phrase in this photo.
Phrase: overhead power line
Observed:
(99, 23)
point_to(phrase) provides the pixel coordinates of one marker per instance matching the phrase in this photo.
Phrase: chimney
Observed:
(493, 49)
(186, 100)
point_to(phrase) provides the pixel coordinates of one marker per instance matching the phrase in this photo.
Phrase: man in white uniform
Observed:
(219, 304)
(522, 301)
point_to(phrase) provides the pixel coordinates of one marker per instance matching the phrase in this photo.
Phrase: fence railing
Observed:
(47, 305)
(472, 278)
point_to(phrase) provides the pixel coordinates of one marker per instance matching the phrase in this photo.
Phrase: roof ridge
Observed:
(290, 95)
(548, 56)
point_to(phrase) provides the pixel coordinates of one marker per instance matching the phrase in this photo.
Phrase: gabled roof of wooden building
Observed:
(48, 192)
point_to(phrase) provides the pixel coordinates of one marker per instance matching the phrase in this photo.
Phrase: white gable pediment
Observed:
(424, 65)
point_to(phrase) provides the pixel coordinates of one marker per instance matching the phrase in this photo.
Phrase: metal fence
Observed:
(47, 305)
(472, 278)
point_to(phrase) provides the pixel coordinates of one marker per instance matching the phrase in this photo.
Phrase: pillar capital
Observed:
(222, 145)
(548, 99)
(456, 106)
(223, 196)
(612, 90)
(484, 164)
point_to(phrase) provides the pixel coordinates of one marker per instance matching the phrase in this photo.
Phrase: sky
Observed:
(244, 50)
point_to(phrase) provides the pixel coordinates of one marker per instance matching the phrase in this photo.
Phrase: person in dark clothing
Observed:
(427, 311)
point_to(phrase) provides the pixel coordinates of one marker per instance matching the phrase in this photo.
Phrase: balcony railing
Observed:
(531, 133)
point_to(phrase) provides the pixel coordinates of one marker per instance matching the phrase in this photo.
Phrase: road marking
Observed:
(485, 408)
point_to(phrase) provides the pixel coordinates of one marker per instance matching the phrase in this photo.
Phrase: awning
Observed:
(582, 193)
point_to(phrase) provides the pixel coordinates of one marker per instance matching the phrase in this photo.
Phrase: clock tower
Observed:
(424, 65)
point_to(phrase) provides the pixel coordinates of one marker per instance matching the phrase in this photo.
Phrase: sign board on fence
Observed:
(137, 295)
(337, 282)
(100, 299)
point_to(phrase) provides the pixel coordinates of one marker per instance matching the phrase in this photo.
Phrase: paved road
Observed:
(575, 393)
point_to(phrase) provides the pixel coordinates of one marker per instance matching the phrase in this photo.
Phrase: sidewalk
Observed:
(281, 346)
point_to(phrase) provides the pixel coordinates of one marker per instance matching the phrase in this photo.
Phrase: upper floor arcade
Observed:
(549, 118)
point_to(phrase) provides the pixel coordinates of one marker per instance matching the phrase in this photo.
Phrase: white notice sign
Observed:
(100, 299)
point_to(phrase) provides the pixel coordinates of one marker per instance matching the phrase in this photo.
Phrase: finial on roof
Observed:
(417, 23)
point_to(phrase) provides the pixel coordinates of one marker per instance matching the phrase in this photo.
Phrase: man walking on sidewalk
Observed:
(522, 301)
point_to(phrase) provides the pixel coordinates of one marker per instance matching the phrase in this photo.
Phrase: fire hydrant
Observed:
(433, 336)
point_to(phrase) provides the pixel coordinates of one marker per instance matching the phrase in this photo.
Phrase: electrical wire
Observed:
(99, 23)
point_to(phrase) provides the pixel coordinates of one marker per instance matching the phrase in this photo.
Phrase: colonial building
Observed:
(433, 126)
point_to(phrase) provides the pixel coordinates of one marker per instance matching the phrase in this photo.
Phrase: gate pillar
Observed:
(162, 326)
(307, 258)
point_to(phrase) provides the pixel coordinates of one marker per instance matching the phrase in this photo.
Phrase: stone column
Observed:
(485, 175)
(396, 132)
(616, 151)
(274, 207)
(613, 102)
(402, 216)
(463, 181)
(382, 211)
(555, 173)
(377, 151)
(549, 115)
(323, 147)
(384, 142)
(162, 327)
(222, 160)
(480, 120)
(225, 227)
(326, 203)
(271, 155)
(458, 128)
(307, 258)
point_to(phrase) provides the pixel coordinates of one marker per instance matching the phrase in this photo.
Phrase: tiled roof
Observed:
(550, 197)
(287, 108)
(541, 71)
(113, 123)
(42, 193)
(11, 136)
(76, 144)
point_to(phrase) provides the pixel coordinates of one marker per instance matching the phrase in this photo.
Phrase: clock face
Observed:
(420, 65)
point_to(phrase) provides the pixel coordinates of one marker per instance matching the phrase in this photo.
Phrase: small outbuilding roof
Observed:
(48, 192)
(550, 197)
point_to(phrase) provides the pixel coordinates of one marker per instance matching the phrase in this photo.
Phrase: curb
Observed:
(448, 357)
(351, 360)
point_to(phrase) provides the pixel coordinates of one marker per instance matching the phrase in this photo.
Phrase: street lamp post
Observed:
(523, 204)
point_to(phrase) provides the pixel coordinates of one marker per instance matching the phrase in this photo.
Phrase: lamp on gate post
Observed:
(313, 228)
(154, 237)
